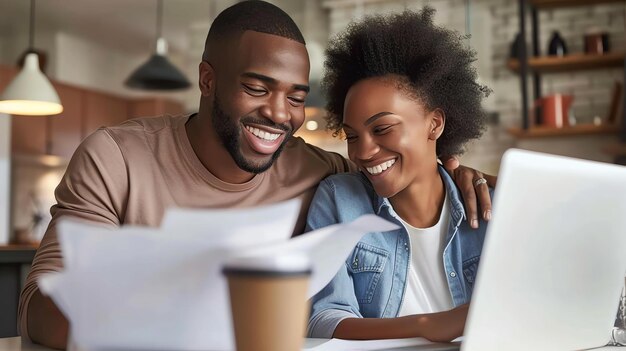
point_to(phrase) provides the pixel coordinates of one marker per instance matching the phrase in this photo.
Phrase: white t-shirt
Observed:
(426, 288)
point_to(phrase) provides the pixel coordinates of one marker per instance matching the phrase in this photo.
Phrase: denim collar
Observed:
(457, 211)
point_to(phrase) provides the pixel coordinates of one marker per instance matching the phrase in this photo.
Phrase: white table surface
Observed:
(16, 344)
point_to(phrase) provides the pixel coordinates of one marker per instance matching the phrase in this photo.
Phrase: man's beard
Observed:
(228, 131)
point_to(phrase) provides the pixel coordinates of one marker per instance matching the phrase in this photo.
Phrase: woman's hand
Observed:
(438, 327)
(475, 192)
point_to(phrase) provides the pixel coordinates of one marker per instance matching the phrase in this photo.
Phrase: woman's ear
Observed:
(207, 78)
(437, 123)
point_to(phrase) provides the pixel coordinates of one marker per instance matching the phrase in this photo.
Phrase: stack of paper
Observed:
(162, 289)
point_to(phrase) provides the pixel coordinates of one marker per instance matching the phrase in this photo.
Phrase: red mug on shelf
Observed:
(596, 43)
(553, 110)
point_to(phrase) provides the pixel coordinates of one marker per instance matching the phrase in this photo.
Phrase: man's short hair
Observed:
(257, 16)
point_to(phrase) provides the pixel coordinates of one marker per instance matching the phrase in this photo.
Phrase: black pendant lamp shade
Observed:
(158, 73)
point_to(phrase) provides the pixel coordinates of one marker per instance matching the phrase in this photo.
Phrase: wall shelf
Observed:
(578, 130)
(569, 63)
(544, 4)
(528, 60)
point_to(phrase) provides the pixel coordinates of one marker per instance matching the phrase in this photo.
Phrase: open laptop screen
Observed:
(554, 259)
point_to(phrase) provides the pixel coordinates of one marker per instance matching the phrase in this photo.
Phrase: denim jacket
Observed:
(371, 283)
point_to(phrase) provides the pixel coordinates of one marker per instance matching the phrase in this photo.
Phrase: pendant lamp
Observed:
(30, 93)
(158, 73)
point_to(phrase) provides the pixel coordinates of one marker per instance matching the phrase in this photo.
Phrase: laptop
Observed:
(554, 258)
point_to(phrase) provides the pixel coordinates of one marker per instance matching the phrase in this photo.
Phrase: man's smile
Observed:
(263, 140)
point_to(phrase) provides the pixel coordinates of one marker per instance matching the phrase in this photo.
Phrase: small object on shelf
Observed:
(596, 42)
(618, 335)
(557, 45)
(39, 220)
(23, 237)
(553, 111)
(571, 118)
(516, 47)
(597, 120)
(570, 62)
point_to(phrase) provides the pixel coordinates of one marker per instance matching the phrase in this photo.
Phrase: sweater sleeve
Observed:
(94, 188)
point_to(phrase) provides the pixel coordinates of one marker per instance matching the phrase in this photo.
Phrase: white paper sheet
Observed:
(162, 289)
(234, 227)
(328, 247)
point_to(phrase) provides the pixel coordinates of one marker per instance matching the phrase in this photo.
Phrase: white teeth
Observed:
(381, 167)
(263, 134)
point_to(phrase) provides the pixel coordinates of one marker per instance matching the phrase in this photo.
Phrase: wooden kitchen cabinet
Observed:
(65, 129)
(155, 107)
(57, 135)
(103, 110)
(6, 75)
(28, 135)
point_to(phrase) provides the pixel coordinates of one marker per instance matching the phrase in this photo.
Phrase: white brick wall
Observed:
(592, 89)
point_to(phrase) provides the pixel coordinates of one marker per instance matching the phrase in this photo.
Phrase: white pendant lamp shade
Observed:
(30, 92)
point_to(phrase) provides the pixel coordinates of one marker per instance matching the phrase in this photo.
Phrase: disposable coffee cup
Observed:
(268, 299)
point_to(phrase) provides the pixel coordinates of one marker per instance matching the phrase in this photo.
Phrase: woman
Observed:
(403, 92)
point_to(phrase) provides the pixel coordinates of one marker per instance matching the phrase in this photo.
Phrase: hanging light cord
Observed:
(31, 35)
(159, 18)
(468, 22)
(31, 48)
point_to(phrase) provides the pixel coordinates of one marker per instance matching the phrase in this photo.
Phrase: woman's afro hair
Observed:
(432, 62)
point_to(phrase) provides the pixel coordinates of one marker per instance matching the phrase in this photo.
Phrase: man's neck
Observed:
(211, 153)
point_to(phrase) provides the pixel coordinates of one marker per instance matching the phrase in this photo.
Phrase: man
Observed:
(253, 82)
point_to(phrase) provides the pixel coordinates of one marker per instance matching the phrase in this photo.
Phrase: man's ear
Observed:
(437, 123)
(207, 78)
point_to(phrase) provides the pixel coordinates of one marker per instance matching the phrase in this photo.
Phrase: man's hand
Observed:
(46, 324)
(443, 326)
(475, 191)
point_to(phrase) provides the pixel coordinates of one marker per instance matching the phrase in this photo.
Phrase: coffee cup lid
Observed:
(287, 264)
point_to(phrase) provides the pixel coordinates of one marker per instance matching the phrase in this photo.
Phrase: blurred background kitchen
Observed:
(571, 102)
